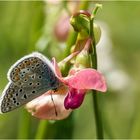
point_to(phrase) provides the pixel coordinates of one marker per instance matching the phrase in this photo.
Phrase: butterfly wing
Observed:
(29, 78)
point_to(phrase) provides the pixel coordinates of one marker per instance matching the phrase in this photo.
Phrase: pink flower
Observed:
(78, 82)
(43, 107)
(69, 96)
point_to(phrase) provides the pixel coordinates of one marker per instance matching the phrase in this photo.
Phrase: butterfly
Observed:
(29, 77)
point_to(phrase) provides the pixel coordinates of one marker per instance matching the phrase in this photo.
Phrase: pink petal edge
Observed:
(87, 79)
(56, 68)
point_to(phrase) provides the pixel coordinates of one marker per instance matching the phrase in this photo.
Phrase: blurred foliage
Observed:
(26, 26)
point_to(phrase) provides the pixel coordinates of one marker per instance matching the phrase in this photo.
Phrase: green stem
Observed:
(98, 120)
(42, 129)
(24, 125)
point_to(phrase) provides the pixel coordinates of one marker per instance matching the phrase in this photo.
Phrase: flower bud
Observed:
(79, 23)
(82, 59)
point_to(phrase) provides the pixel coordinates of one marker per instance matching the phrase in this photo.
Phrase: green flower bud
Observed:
(80, 23)
(82, 60)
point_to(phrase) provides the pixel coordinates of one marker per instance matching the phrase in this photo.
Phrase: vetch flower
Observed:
(79, 81)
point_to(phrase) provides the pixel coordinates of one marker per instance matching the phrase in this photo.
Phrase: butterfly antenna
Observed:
(53, 104)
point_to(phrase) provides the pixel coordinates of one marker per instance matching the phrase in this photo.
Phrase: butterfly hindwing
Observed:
(28, 78)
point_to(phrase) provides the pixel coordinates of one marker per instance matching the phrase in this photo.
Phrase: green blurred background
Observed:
(27, 26)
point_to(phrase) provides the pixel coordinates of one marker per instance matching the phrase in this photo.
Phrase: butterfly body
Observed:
(29, 78)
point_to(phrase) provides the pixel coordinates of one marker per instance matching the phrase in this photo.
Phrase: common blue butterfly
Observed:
(28, 78)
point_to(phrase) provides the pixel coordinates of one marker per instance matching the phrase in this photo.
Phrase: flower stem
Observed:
(42, 129)
(24, 125)
(98, 120)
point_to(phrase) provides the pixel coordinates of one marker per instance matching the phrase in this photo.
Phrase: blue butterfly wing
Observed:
(29, 78)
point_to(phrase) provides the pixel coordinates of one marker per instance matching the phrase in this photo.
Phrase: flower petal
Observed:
(56, 68)
(43, 107)
(74, 98)
(87, 79)
(61, 63)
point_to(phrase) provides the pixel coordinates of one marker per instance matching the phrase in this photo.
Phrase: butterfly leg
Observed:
(53, 104)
